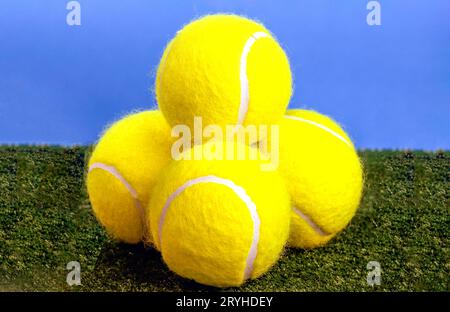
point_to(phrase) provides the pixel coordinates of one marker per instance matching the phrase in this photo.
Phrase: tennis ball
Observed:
(220, 221)
(123, 168)
(227, 69)
(323, 174)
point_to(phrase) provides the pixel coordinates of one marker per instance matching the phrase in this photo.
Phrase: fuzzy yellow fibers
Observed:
(323, 174)
(226, 69)
(123, 168)
(219, 222)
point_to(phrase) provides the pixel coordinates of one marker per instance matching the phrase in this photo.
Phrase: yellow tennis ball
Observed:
(323, 174)
(123, 168)
(219, 222)
(227, 69)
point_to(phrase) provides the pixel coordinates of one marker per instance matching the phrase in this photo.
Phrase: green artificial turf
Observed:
(46, 221)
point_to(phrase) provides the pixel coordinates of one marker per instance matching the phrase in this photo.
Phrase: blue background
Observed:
(388, 85)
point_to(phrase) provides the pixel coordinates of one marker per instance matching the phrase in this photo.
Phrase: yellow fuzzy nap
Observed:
(207, 230)
(200, 74)
(323, 174)
(138, 147)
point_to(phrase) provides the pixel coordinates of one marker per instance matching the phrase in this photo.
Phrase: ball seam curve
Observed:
(245, 91)
(310, 222)
(134, 194)
(241, 193)
(325, 128)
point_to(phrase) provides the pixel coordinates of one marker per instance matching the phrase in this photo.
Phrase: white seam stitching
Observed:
(137, 203)
(240, 192)
(337, 135)
(311, 223)
(245, 92)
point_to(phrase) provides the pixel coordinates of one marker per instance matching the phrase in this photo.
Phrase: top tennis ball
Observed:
(227, 69)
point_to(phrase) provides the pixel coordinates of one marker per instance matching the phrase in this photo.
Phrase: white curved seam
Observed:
(240, 192)
(113, 171)
(245, 92)
(337, 135)
(308, 220)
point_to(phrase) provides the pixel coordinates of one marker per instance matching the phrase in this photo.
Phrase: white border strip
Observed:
(245, 92)
(137, 203)
(240, 192)
(308, 220)
(337, 135)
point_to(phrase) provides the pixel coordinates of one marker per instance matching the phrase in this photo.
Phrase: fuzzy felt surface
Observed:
(199, 73)
(323, 174)
(138, 147)
(208, 229)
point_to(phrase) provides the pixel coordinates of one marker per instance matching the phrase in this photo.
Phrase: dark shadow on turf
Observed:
(121, 266)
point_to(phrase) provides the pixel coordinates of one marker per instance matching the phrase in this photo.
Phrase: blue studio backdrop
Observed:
(388, 84)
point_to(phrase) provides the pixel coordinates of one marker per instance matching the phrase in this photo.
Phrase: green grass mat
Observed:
(46, 221)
